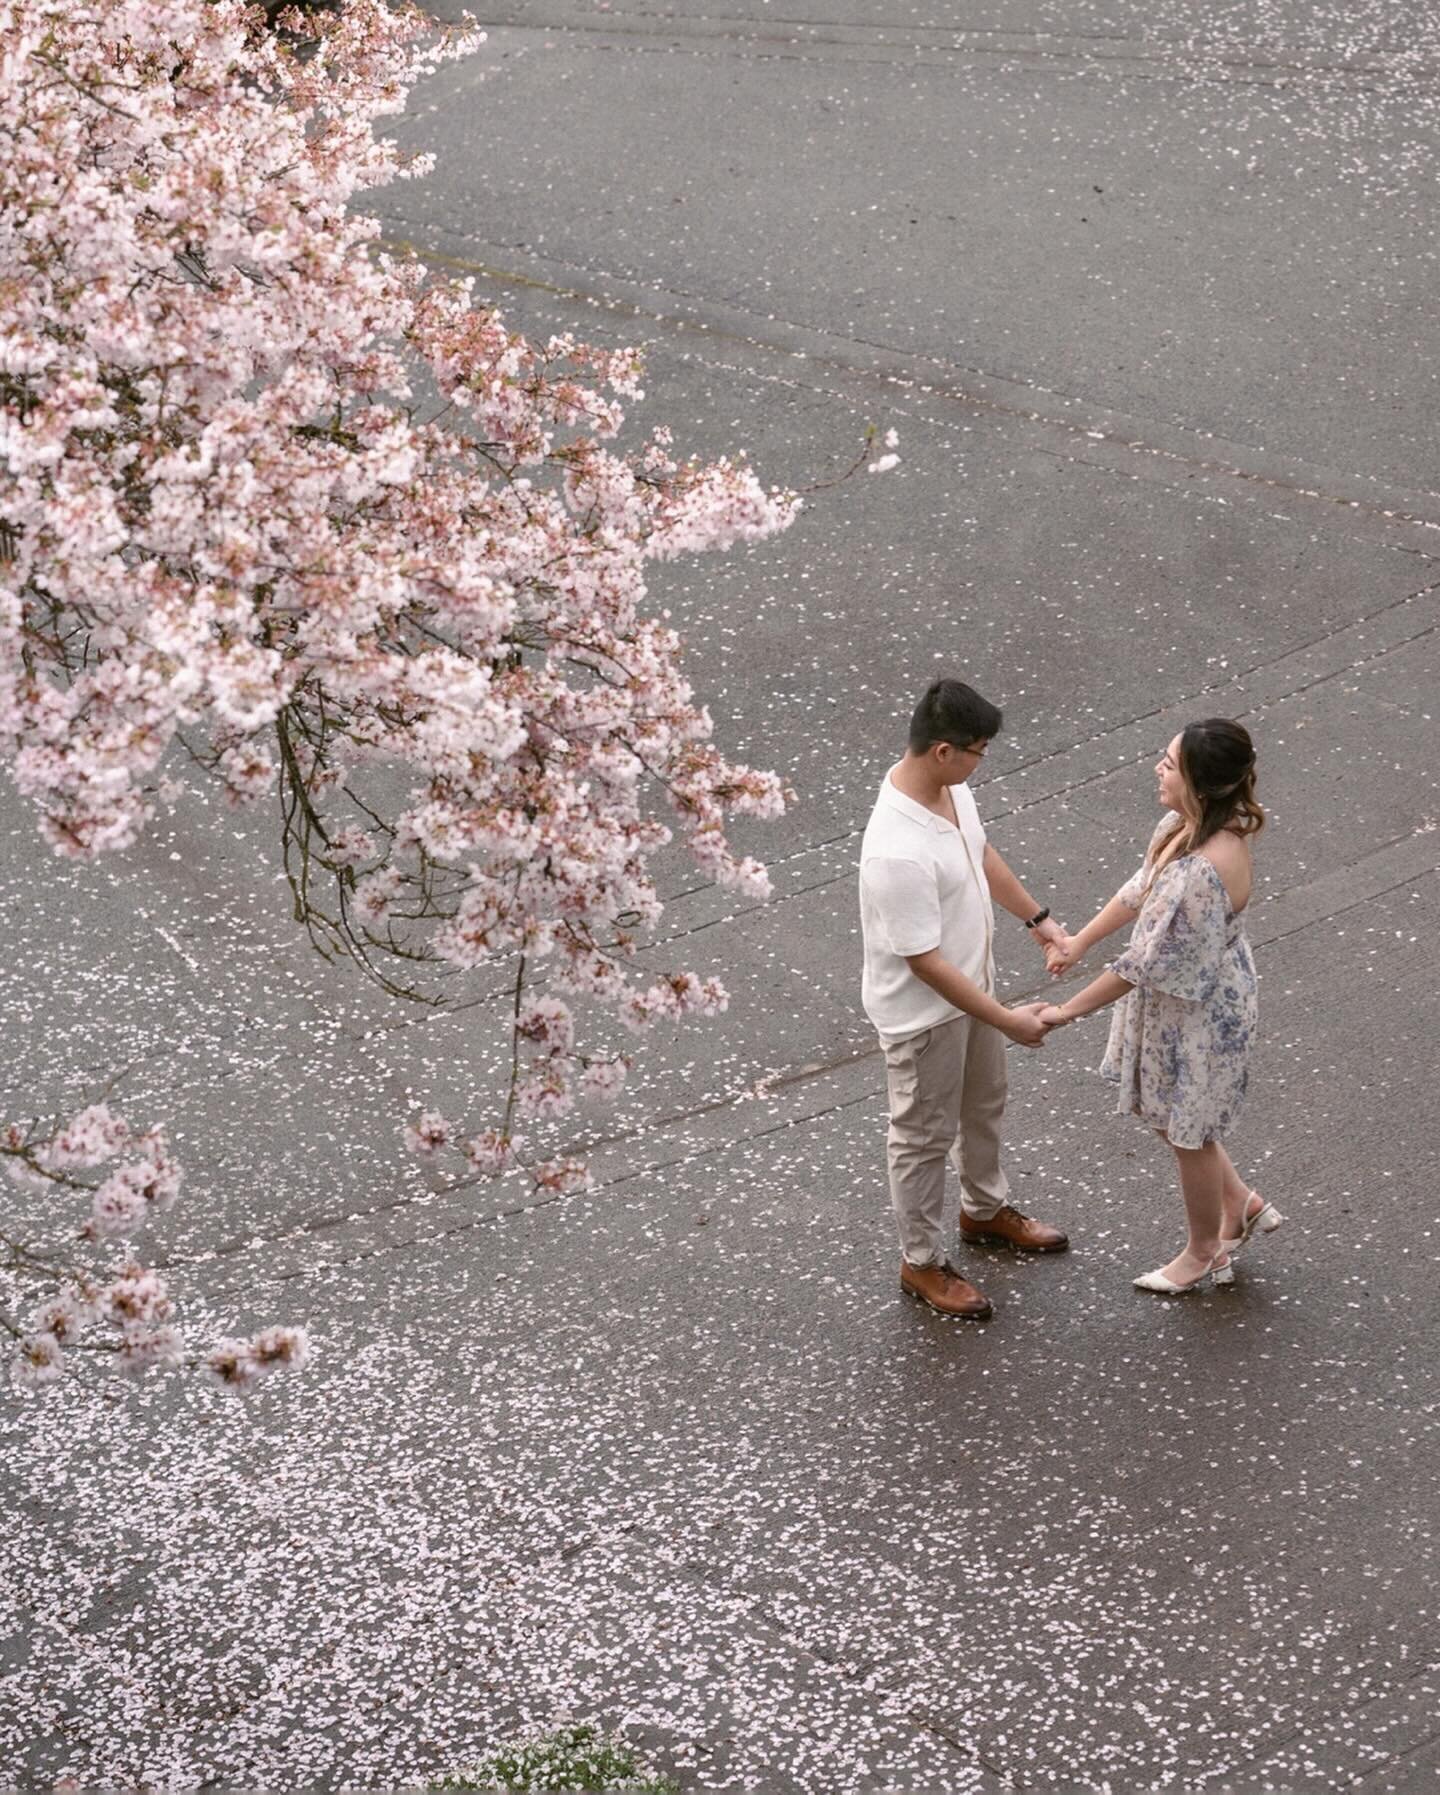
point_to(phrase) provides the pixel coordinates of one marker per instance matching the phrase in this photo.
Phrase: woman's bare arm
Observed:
(1099, 992)
(1115, 915)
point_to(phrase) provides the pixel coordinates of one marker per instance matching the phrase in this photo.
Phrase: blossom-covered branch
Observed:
(65, 1299)
(275, 498)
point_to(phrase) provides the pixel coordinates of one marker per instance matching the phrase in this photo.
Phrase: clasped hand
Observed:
(1061, 953)
(1030, 1023)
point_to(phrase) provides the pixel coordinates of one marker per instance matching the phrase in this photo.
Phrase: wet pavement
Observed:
(1146, 292)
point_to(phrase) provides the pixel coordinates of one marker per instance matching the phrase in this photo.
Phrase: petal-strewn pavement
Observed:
(1147, 291)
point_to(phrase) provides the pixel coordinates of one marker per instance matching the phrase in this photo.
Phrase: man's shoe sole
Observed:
(949, 1314)
(1004, 1240)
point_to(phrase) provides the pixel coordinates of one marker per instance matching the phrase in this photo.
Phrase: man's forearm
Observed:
(1006, 889)
(950, 983)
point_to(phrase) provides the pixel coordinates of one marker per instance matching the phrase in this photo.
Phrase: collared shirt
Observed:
(922, 886)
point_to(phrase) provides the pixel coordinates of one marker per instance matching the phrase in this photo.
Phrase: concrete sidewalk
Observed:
(675, 1455)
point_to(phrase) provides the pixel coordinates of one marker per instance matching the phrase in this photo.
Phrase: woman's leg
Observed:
(1202, 1185)
(1236, 1198)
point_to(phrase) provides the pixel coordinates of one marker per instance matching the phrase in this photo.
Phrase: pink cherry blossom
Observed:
(491, 1152)
(122, 1202)
(66, 1316)
(231, 1365)
(136, 1298)
(564, 1176)
(151, 1349)
(240, 1365)
(279, 1349)
(349, 847)
(118, 1206)
(428, 1133)
(37, 1362)
(88, 1139)
(128, 1313)
(231, 528)
(548, 1023)
(603, 1080)
(545, 1095)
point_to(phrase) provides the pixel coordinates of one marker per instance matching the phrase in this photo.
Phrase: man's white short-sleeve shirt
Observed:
(922, 886)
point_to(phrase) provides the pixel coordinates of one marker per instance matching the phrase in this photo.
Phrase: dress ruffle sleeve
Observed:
(1132, 892)
(1179, 941)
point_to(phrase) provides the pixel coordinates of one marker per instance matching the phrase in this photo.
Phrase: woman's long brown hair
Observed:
(1217, 763)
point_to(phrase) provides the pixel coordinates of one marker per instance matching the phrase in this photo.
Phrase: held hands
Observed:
(1031, 1022)
(1049, 932)
(1025, 1027)
(1059, 949)
(1062, 954)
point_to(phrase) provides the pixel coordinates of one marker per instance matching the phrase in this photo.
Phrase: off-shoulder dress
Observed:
(1179, 1046)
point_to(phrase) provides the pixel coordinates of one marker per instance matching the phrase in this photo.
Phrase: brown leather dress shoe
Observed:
(941, 1288)
(1007, 1227)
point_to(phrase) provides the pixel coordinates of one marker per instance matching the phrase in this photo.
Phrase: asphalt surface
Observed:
(1146, 291)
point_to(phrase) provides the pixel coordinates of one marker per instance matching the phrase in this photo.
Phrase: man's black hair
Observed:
(952, 712)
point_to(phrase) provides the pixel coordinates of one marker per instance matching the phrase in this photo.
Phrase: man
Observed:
(927, 876)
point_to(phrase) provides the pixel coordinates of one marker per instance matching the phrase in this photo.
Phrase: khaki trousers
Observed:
(947, 1091)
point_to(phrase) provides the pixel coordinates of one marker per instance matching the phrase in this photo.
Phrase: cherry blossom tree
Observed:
(277, 501)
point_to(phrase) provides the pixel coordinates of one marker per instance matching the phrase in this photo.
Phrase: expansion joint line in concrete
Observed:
(1224, 471)
(1057, 793)
(1064, 791)
(1274, 1748)
(1371, 897)
(940, 49)
(469, 1223)
(920, 378)
(1169, 468)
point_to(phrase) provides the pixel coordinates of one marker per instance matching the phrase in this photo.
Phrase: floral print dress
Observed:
(1179, 1045)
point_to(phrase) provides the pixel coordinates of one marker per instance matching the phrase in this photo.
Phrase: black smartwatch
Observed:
(1035, 921)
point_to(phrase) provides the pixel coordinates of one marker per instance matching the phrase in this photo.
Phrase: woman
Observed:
(1180, 1039)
